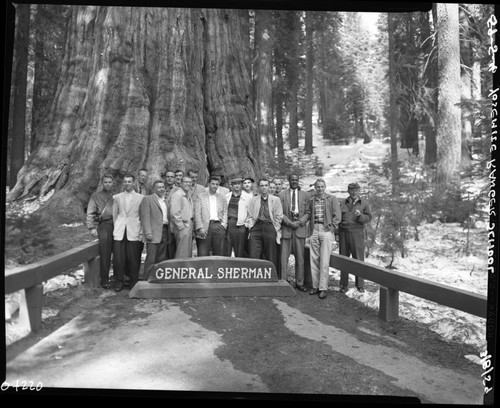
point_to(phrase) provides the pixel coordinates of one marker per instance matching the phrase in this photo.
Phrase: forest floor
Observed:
(452, 339)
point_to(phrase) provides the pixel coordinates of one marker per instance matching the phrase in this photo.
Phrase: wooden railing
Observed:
(29, 279)
(392, 282)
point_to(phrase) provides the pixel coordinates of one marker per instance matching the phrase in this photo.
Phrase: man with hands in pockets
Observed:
(355, 214)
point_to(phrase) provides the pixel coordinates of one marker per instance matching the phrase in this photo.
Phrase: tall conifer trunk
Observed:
(143, 87)
(430, 78)
(309, 84)
(262, 83)
(449, 135)
(392, 106)
(19, 76)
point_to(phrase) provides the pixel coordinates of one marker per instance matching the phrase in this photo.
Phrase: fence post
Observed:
(389, 304)
(91, 271)
(30, 308)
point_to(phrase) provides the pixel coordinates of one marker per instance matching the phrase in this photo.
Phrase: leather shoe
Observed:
(313, 291)
(343, 289)
(322, 294)
(118, 287)
(361, 290)
(106, 286)
(301, 288)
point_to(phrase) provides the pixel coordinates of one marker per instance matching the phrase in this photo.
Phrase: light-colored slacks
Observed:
(321, 244)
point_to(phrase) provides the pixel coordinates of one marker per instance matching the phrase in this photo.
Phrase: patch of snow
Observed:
(29, 207)
(72, 225)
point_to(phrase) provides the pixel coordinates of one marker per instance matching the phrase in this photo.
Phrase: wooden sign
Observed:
(209, 276)
(213, 269)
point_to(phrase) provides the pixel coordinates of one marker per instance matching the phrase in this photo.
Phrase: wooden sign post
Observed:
(209, 276)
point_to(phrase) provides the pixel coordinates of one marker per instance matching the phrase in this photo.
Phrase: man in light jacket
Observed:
(154, 220)
(127, 234)
(181, 219)
(210, 219)
(323, 213)
(264, 224)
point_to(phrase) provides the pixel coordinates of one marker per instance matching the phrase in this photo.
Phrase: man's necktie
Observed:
(293, 201)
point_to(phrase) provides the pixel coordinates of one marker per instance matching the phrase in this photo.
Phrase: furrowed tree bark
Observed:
(392, 106)
(39, 67)
(430, 78)
(308, 146)
(466, 59)
(142, 87)
(293, 75)
(262, 84)
(19, 70)
(448, 135)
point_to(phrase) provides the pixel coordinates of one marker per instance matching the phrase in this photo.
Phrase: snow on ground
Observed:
(438, 256)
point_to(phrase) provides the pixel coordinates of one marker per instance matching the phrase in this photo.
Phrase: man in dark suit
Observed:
(154, 220)
(264, 224)
(141, 185)
(293, 229)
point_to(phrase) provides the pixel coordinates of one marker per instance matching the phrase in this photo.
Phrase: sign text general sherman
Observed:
(213, 269)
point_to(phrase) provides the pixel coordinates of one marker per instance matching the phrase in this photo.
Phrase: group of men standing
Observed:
(254, 224)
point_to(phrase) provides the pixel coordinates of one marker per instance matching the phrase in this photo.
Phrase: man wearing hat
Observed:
(355, 214)
(236, 216)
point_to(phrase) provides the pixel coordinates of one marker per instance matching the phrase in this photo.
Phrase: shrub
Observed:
(27, 237)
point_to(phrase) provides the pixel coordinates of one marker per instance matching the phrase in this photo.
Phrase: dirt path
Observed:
(291, 345)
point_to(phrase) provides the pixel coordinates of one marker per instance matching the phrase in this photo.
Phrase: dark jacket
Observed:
(303, 200)
(350, 221)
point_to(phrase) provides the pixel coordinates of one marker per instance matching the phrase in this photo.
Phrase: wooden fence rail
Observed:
(392, 282)
(29, 279)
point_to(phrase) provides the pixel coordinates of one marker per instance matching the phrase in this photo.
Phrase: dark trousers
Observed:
(171, 243)
(262, 242)
(127, 260)
(105, 235)
(156, 252)
(214, 241)
(296, 246)
(352, 243)
(237, 236)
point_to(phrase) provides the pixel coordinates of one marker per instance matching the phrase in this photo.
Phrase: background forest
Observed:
(99, 89)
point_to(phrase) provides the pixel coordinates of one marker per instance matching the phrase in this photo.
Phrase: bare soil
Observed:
(258, 342)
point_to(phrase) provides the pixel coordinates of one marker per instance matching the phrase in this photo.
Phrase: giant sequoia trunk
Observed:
(448, 135)
(143, 87)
